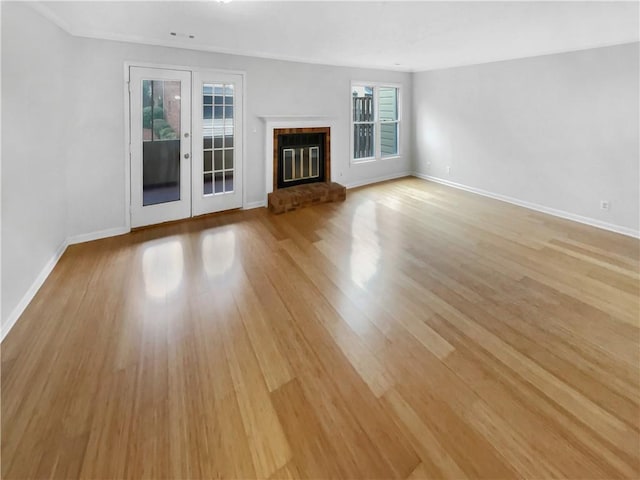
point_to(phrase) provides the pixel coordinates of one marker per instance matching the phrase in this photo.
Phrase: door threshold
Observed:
(185, 220)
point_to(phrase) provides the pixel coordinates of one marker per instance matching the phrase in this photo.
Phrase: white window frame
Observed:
(376, 121)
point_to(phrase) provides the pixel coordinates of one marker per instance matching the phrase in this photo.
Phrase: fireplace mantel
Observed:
(293, 117)
(289, 121)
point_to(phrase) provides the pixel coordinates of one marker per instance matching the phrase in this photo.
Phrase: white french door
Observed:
(160, 122)
(186, 143)
(217, 141)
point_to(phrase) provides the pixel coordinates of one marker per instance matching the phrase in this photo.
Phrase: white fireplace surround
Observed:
(290, 121)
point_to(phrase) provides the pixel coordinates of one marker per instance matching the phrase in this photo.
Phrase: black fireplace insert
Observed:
(301, 159)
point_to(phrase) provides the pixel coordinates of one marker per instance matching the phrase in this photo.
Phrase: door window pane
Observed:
(228, 181)
(228, 159)
(218, 187)
(208, 184)
(161, 141)
(217, 160)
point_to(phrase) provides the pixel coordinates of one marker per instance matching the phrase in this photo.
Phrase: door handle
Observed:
(186, 155)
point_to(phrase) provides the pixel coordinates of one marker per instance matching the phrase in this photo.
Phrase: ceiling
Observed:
(408, 36)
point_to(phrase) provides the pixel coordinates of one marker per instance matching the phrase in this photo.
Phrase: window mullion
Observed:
(377, 130)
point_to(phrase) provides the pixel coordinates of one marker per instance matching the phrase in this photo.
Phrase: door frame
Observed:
(127, 124)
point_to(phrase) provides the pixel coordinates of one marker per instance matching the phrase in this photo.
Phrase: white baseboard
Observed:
(251, 205)
(369, 181)
(534, 206)
(33, 289)
(88, 237)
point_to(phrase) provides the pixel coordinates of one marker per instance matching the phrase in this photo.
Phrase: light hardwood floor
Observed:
(414, 331)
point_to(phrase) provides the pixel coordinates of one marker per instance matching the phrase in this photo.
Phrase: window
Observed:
(376, 121)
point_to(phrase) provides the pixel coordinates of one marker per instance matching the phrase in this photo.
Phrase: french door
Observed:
(186, 143)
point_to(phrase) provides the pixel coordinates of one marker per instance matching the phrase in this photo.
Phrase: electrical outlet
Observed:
(604, 205)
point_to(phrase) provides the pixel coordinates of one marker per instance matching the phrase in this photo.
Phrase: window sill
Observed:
(361, 161)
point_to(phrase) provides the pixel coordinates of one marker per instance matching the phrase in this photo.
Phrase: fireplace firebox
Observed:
(300, 159)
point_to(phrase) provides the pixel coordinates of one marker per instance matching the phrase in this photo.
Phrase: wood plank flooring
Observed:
(413, 331)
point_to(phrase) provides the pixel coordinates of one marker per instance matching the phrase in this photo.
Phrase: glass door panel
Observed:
(160, 141)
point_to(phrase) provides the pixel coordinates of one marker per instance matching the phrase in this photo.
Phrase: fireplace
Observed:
(299, 167)
(301, 156)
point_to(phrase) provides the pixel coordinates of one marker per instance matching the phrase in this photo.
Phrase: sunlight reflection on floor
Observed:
(365, 247)
(218, 252)
(162, 268)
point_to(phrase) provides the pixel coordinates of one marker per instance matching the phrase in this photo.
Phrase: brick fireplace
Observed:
(302, 169)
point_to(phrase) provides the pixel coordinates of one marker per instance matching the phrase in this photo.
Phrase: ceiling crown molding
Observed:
(46, 12)
(421, 63)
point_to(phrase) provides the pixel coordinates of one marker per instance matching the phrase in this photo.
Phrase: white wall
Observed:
(35, 133)
(96, 175)
(559, 131)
